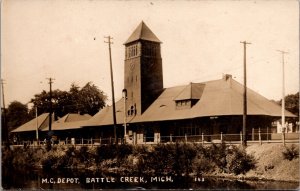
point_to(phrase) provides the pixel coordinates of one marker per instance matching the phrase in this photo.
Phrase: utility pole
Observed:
(50, 104)
(245, 97)
(5, 132)
(283, 128)
(37, 124)
(124, 92)
(109, 38)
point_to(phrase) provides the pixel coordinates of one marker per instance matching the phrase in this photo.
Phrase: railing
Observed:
(203, 139)
(235, 138)
(72, 142)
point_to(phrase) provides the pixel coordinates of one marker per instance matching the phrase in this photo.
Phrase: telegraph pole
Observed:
(37, 124)
(50, 104)
(5, 136)
(245, 97)
(112, 87)
(283, 93)
(125, 119)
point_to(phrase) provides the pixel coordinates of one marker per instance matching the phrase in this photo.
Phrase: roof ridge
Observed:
(67, 117)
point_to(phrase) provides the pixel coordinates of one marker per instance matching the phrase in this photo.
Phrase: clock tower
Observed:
(143, 78)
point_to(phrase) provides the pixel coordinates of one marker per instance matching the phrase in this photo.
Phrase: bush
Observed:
(291, 153)
(217, 154)
(202, 165)
(123, 151)
(49, 162)
(238, 161)
(184, 156)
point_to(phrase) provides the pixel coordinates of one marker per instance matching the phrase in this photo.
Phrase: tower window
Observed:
(132, 51)
(131, 111)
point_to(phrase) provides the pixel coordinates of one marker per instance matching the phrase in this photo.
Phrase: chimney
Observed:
(227, 76)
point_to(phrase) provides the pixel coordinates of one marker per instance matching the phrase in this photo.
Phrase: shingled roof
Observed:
(142, 32)
(191, 91)
(41, 122)
(223, 97)
(69, 121)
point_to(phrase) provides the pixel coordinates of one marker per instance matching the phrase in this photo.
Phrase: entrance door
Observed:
(149, 135)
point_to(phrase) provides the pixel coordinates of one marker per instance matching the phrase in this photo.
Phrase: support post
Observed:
(185, 137)
(283, 138)
(221, 137)
(259, 136)
(241, 137)
(202, 136)
(171, 138)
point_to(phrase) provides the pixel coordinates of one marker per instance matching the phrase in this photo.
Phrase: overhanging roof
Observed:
(69, 121)
(41, 122)
(222, 97)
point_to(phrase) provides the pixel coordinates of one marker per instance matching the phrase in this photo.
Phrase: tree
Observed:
(42, 102)
(17, 114)
(91, 99)
(292, 103)
(88, 100)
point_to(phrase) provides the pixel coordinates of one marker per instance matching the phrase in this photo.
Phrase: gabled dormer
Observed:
(189, 96)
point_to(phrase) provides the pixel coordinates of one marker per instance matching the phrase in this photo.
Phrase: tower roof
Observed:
(142, 32)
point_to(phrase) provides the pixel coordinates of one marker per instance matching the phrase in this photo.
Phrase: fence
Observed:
(235, 138)
(203, 139)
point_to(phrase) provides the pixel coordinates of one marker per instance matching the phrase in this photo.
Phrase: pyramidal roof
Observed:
(70, 117)
(142, 32)
(40, 122)
(69, 121)
(191, 91)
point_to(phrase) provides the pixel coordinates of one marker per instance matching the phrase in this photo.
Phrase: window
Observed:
(183, 104)
(131, 111)
(132, 51)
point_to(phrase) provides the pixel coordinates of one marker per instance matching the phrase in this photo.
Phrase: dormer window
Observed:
(184, 104)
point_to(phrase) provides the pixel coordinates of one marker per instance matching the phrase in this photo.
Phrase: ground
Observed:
(271, 163)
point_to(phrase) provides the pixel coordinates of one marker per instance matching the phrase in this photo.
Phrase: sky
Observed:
(64, 40)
